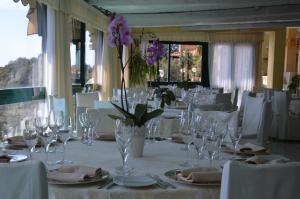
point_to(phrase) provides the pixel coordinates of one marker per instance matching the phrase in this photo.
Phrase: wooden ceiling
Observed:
(205, 14)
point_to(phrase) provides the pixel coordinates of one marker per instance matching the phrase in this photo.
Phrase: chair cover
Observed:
(252, 116)
(266, 122)
(86, 99)
(224, 98)
(23, 180)
(267, 181)
(103, 123)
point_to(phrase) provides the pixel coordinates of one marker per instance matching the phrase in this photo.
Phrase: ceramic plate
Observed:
(105, 176)
(17, 157)
(172, 175)
(134, 181)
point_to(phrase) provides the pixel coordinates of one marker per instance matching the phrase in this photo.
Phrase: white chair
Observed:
(102, 104)
(59, 104)
(23, 180)
(252, 116)
(264, 130)
(103, 123)
(86, 99)
(268, 181)
(284, 125)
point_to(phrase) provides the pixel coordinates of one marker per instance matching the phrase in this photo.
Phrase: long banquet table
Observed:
(158, 158)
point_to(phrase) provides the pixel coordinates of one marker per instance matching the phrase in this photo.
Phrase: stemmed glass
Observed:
(211, 146)
(221, 130)
(235, 136)
(123, 135)
(87, 124)
(153, 129)
(30, 135)
(187, 136)
(64, 135)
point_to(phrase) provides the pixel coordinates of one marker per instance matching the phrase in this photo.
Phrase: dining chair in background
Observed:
(23, 180)
(266, 181)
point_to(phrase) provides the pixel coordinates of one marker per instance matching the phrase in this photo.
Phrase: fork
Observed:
(164, 182)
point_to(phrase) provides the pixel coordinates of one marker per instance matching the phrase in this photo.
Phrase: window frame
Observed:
(205, 62)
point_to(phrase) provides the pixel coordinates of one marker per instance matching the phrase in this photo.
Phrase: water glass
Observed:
(211, 146)
(235, 136)
(123, 135)
(187, 136)
(64, 135)
(30, 135)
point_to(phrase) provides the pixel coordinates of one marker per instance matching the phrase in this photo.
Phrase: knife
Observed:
(164, 182)
(159, 183)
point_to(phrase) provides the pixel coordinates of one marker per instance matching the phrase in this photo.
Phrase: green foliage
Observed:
(294, 82)
(166, 96)
(140, 116)
(139, 70)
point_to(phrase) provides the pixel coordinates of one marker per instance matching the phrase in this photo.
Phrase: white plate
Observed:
(17, 157)
(134, 181)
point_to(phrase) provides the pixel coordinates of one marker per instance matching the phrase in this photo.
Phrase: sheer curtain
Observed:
(244, 68)
(232, 66)
(221, 71)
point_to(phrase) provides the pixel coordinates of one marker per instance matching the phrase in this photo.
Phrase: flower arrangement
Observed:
(155, 52)
(119, 35)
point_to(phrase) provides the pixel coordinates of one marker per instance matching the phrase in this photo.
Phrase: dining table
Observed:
(157, 159)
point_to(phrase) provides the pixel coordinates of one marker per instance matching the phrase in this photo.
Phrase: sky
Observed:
(13, 36)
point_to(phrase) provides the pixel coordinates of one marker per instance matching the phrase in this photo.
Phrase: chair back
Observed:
(86, 99)
(102, 104)
(267, 181)
(103, 123)
(252, 116)
(24, 180)
(224, 98)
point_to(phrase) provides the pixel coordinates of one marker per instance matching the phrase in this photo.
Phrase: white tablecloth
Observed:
(158, 158)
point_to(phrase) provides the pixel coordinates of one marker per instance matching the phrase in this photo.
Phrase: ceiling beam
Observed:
(285, 13)
(167, 6)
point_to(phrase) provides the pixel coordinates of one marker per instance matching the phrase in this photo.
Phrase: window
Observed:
(89, 59)
(183, 62)
(21, 70)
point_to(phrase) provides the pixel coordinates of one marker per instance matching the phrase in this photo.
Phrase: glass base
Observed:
(124, 171)
(185, 164)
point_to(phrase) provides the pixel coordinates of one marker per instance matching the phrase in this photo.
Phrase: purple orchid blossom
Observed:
(119, 32)
(155, 52)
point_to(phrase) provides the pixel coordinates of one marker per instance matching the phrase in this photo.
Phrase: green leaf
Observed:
(140, 110)
(115, 117)
(151, 115)
(123, 112)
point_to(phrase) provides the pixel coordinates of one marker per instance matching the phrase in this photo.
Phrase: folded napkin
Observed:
(4, 159)
(105, 136)
(17, 140)
(247, 148)
(74, 173)
(200, 175)
(177, 138)
(271, 159)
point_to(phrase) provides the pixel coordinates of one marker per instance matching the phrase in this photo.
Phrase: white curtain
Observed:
(232, 66)
(244, 68)
(111, 72)
(99, 58)
(221, 71)
(57, 62)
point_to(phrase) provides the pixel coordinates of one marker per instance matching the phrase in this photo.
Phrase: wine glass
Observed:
(211, 146)
(187, 138)
(221, 130)
(41, 125)
(30, 135)
(123, 135)
(64, 135)
(235, 136)
(90, 123)
(84, 125)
